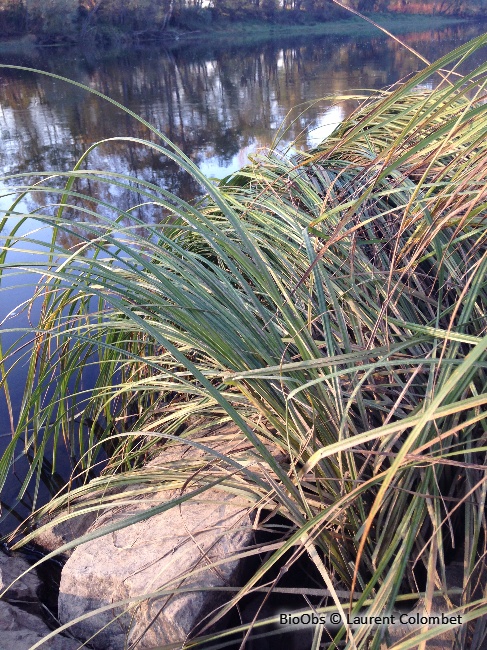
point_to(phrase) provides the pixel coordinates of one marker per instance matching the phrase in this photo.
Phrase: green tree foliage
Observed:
(12, 16)
(53, 18)
(137, 14)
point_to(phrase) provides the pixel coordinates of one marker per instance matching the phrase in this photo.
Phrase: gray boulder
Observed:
(20, 623)
(159, 553)
(23, 590)
(20, 630)
(53, 535)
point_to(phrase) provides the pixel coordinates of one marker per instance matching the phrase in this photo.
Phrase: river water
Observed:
(218, 103)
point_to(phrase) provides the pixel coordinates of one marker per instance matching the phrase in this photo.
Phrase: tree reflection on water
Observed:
(218, 104)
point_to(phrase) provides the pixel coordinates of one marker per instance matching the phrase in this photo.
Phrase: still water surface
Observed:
(217, 103)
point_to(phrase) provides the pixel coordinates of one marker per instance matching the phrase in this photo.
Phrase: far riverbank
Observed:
(257, 31)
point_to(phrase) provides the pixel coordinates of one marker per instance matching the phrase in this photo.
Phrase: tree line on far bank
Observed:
(105, 21)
